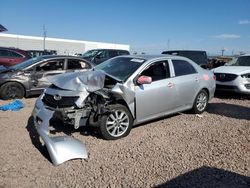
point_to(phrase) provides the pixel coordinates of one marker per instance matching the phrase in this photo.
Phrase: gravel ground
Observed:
(184, 150)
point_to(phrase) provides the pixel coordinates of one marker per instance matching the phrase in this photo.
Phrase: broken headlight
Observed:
(245, 75)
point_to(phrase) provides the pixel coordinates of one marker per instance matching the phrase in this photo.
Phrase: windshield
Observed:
(240, 61)
(120, 67)
(26, 63)
(90, 53)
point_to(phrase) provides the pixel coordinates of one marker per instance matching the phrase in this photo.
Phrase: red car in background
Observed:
(12, 56)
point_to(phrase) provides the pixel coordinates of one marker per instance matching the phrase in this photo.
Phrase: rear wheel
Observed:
(117, 123)
(201, 102)
(11, 90)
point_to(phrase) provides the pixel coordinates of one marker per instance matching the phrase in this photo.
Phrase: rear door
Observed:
(157, 98)
(186, 82)
(76, 65)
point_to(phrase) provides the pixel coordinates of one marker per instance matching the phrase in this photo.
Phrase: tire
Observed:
(116, 124)
(200, 102)
(11, 90)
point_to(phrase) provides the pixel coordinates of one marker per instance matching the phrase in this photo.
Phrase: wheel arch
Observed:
(120, 100)
(207, 91)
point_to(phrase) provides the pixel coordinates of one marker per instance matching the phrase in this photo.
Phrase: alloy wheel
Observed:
(201, 101)
(117, 123)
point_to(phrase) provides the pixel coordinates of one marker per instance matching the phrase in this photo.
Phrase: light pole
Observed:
(44, 37)
(222, 51)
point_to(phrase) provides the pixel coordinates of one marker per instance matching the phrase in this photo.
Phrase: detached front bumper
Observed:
(60, 148)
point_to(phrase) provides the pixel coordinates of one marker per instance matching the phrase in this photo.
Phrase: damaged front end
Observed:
(75, 99)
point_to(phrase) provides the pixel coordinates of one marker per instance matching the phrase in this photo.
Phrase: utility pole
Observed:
(44, 36)
(222, 51)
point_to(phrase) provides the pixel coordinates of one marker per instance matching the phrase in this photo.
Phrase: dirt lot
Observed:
(184, 150)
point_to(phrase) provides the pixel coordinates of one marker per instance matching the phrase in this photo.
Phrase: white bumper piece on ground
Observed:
(60, 148)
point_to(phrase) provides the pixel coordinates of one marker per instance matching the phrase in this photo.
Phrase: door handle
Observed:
(170, 84)
(196, 79)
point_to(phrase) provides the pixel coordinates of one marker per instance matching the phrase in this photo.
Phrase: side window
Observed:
(101, 54)
(157, 71)
(182, 67)
(113, 53)
(123, 53)
(77, 64)
(51, 65)
(14, 54)
(4, 53)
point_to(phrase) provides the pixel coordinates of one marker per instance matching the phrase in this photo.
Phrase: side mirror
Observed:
(144, 80)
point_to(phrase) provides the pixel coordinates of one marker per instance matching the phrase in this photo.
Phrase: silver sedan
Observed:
(125, 91)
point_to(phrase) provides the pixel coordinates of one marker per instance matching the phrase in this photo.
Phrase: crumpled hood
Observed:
(232, 69)
(91, 80)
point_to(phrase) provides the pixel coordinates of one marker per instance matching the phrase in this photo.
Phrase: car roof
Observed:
(13, 49)
(170, 51)
(58, 56)
(149, 57)
(110, 49)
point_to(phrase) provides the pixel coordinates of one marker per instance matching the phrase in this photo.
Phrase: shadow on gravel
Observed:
(35, 138)
(229, 110)
(231, 95)
(69, 129)
(208, 177)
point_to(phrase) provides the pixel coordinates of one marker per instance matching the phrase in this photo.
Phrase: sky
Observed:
(148, 26)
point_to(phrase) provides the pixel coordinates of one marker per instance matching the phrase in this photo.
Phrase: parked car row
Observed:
(30, 77)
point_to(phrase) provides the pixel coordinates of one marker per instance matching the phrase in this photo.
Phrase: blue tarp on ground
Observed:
(16, 105)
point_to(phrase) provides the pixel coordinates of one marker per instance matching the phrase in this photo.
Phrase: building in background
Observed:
(60, 46)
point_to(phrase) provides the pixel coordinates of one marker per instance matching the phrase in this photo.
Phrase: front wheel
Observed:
(200, 102)
(117, 123)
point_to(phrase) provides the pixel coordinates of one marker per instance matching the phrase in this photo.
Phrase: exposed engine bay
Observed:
(79, 108)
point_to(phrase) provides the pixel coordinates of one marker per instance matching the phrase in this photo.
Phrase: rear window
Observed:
(182, 67)
(199, 57)
(123, 52)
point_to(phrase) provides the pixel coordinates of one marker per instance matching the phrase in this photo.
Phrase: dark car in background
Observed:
(97, 56)
(30, 77)
(199, 57)
(12, 56)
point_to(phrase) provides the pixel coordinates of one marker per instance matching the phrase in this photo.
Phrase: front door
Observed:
(39, 79)
(158, 98)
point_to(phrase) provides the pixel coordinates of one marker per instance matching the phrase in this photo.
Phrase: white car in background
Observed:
(235, 76)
